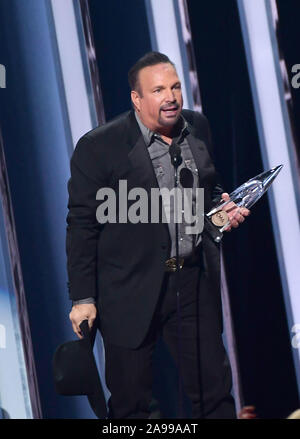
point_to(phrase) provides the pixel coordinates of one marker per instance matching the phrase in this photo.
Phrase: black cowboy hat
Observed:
(75, 371)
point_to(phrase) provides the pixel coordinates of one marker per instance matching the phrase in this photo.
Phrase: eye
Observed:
(177, 86)
(157, 90)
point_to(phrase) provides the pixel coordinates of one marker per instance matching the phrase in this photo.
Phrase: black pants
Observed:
(205, 369)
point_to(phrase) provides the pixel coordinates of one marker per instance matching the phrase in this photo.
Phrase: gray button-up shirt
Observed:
(159, 153)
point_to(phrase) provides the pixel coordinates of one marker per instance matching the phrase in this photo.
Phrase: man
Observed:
(124, 270)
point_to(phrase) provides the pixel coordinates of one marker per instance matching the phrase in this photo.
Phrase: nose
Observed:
(170, 95)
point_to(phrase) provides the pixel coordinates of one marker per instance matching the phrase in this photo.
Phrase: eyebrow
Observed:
(162, 86)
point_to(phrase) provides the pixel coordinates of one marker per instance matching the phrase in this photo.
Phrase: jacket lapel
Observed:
(141, 162)
(201, 157)
(142, 165)
(139, 157)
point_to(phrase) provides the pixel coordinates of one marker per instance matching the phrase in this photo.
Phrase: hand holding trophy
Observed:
(245, 196)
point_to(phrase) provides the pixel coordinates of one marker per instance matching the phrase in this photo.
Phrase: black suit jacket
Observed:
(122, 265)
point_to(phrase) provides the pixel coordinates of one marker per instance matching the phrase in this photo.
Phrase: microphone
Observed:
(175, 153)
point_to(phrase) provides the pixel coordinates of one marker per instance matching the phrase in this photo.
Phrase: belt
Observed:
(189, 261)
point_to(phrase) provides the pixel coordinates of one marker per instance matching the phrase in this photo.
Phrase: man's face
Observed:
(158, 100)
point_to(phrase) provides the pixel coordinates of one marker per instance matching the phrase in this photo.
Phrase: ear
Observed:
(135, 98)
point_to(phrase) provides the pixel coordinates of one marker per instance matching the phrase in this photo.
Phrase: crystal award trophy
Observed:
(245, 195)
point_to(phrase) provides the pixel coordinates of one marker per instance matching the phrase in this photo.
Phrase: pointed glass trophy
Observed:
(245, 195)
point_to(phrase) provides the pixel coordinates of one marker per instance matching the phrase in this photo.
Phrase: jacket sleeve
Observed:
(82, 226)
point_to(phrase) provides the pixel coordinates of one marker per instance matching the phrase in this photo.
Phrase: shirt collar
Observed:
(149, 135)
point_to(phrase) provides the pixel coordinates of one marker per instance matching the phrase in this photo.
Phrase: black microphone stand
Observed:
(176, 160)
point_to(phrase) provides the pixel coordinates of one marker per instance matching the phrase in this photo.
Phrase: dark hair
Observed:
(149, 59)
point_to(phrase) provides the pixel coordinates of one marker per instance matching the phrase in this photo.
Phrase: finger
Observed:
(76, 330)
(230, 206)
(225, 196)
(235, 215)
(234, 223)
(244, 211)
(75, 324)
(79, 334)
(91, 321)
(247, 416)
(247, 408)
(247, 412)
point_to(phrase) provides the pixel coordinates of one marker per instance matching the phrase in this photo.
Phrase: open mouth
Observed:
(171, 111)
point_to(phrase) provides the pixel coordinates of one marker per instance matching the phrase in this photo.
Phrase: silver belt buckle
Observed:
(171, 264)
